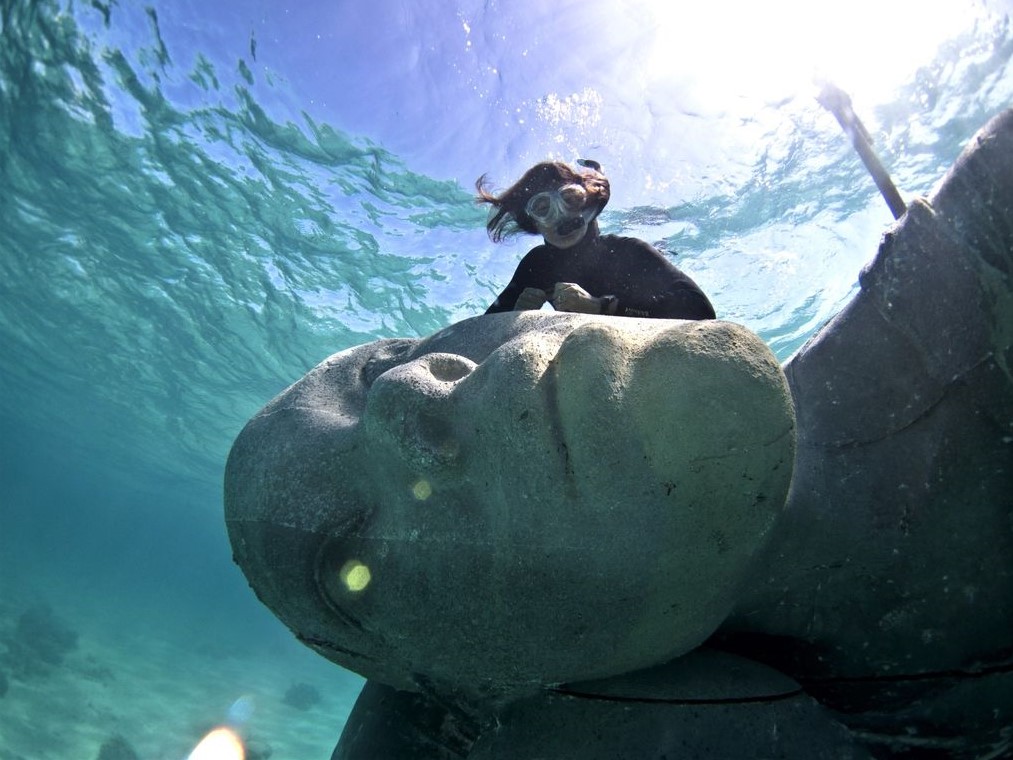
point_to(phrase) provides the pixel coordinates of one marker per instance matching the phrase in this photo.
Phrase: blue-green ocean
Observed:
(201, 201)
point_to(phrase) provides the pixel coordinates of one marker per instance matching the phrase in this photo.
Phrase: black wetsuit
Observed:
(645, 283)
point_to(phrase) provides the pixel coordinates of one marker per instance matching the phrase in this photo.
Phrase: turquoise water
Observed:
(196, 208)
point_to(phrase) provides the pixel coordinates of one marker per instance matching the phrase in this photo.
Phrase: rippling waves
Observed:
(166, 268)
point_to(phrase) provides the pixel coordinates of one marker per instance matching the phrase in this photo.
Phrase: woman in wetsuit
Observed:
(577, 268)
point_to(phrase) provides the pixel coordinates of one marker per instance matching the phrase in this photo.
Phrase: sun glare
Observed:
(735, 49)
(220, 744)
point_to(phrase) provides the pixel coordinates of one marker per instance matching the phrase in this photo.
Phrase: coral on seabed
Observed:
(117, 748)
(301, 696)
(40, 639)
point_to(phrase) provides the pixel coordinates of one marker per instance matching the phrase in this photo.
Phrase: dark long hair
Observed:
(510, 217)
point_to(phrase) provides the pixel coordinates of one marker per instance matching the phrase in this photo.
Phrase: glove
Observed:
(569, 296)
(530, 299)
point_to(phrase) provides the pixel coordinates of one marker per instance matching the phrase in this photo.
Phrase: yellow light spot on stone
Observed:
(421, 489)
(355, 575)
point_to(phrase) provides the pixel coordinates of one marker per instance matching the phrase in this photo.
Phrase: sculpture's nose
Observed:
(407, 407)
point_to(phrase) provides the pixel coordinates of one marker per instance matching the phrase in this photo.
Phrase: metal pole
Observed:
(838, 102)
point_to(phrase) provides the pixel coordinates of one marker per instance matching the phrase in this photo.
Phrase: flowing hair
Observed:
(508, 216)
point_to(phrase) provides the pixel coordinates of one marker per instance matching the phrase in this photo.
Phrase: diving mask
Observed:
(560, 215)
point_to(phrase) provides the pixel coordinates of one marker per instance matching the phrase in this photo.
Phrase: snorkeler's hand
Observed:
(569, 296)
(530, 299)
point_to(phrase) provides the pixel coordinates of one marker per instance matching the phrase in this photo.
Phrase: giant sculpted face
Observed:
(518, 500)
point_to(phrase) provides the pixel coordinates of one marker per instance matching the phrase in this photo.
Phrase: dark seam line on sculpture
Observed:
(992, 670)
(770, 442)
(908, 741)
(262, 414)
(659, 701)
(924, 413)
(311, 641)
(550, 387)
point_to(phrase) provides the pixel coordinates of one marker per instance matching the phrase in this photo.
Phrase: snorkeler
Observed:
(578, 269)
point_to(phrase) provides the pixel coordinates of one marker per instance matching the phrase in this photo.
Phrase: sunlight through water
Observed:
(220, 744)
(776, 49)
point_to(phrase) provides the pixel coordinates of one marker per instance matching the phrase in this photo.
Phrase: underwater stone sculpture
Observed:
(888, 590)
(881, 600)
(519, 500)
